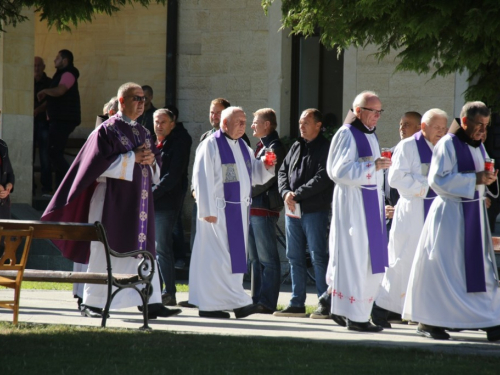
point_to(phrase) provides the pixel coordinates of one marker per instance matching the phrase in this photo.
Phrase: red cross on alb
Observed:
(352, 299)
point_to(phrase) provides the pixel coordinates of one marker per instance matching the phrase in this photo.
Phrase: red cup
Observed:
(270, 156)
(386, 153)
(489, 165)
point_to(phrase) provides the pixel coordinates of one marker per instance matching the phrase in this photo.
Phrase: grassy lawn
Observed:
(66, 286)
(46, 349)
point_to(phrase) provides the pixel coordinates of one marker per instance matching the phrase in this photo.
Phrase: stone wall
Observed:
(16, 98)
(128, 46)
(400, 92)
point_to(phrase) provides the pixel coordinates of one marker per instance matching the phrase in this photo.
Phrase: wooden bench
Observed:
(141, 282)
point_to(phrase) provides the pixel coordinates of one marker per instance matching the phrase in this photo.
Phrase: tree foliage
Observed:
(430, 36)
(63, 13)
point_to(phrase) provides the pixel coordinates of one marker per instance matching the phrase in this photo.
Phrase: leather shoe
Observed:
(91, 312)
(493, 333)
(261, 309)
(340, 320)
(381, 322)
(362, 326)
(168, 300)
(214, 314)
(157, 310)
(436, 333)
(245, 311)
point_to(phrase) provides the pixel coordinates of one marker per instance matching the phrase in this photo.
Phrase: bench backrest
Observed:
(59, 231)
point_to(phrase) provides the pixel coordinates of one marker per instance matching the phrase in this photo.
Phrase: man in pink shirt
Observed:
(63, 110)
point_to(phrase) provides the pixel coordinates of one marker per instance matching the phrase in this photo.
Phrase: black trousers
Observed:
(58, 137)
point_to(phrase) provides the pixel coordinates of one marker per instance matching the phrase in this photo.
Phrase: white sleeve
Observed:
(122, 168)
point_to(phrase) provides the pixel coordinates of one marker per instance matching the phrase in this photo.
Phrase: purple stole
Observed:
(377, 231)
(232, 209)
(425, 154)
(473, 243)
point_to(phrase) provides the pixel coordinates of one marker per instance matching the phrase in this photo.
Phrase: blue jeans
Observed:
(264, 260)
(164, 225)
(311, 229)
(42, 139)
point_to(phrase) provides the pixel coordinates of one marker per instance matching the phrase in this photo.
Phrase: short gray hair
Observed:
(126, 87)
(226, 113)
(472, 109)
(432, 113)
(111, 105)
(164, 111)
(361, 99)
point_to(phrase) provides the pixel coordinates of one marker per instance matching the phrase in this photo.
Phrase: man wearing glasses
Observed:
(454, 278)
(358, 238)
(110, 181)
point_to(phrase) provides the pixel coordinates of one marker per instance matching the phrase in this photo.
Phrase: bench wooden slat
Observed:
(68, 276)
(53, 231)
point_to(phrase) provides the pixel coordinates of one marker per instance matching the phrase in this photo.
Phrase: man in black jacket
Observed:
(174, 144)
(264, 213)
(63, 110)
(307, 192)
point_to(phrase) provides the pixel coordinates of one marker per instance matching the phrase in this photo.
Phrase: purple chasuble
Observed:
(473, 242)
(425, 153)
(375, 226)
(232, 209)
(128, 212)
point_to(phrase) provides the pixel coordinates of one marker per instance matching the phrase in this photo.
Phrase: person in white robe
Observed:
(409, 176)
(213, 286)
(354, 286)
(441, 292)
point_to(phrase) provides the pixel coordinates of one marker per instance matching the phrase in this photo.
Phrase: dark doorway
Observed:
(317, 82)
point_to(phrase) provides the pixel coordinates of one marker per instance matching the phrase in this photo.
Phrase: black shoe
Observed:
(322, 312)
(493, 333)
(362, 327)
(214, 314)
(292, 311)
(168, 300)
(325, 299)
(381, 322)
(157, 310)
(187, 304)
(91, 312)
(245, 311)
(432, 332)
(340, 320)
(261, 309)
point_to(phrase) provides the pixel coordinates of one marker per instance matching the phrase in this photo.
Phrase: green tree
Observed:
(63, 13)
(438, 36)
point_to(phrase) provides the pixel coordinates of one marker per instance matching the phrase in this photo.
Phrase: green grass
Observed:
(35, 349)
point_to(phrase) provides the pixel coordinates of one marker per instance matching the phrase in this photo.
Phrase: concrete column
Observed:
(279, 69)
(16, 101)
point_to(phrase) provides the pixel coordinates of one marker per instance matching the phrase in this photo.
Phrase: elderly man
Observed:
(216, 107)
(358, 238)
(110, 181)
(223, 173)
(408, 174)
(307, 192)
(174, 144)
(63, 110)
(264, 214)
(454, 278)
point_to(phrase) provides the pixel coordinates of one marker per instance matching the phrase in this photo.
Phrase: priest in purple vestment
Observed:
(110, 181)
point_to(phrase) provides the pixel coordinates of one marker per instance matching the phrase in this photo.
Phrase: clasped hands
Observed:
(144, 155)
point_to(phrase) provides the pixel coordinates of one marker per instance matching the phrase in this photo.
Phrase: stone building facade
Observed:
(226, 49)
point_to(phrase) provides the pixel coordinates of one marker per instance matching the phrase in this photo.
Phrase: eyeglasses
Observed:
(137, 98)
(373, 110)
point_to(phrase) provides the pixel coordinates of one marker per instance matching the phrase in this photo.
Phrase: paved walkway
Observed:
(59, 307)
